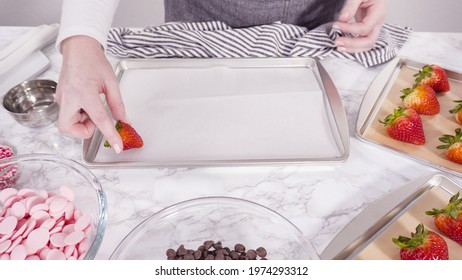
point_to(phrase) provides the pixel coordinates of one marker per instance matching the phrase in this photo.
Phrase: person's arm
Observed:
(369, 16)
(86, 73)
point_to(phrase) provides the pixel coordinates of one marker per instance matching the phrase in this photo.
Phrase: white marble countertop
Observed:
(319, 200)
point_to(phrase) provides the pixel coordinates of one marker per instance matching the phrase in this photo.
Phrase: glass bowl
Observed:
(44, 180)
(227, 220)
(7, 175)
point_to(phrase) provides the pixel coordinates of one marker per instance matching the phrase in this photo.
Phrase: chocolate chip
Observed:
(239, 248)
(171, 253)
(181, 251)
(261, 252)
(188, 257)
(197, 254)
(208, 244)
(251, 254)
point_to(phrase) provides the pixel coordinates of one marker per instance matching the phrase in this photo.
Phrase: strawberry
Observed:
(421, 98)
(433, 76)
(130, 138)
(452, 145)
(449, 219)
(424, 244)
(405, 125)
(457, 110)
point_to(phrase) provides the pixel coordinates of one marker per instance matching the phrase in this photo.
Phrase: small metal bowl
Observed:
(33, 103)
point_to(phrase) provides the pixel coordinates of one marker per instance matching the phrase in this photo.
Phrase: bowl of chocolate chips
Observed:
(215, 228)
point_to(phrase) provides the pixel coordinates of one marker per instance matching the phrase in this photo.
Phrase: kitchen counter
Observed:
(320, 200)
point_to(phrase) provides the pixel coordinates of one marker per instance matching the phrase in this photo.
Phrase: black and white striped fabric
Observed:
(217, 40)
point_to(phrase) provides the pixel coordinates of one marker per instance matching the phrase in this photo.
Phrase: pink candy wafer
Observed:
(83, 222)
(8, 225)
(74, 238)
(6, 194)
(18, 210)
(36, 240)
(56, 254)
(19, 253)
(4, 246)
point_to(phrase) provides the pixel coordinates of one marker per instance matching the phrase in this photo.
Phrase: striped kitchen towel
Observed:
(217, 40)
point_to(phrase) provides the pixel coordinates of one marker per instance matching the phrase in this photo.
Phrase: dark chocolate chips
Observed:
(211, 250)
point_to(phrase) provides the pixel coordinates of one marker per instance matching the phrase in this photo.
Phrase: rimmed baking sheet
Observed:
(384, 95)
(227, 111)
(369, 235)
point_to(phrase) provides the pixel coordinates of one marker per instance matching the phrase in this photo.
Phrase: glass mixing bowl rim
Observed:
(230, 201)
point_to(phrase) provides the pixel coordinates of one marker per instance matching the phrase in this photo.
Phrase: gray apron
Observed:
(245, 13)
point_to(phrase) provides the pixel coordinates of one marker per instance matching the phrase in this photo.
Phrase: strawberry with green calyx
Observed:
(424, 244)
(433, 76)
(130, 138)
(449, 219)
(421, 98)
(405, 125)
(452, 145)
(458, 111)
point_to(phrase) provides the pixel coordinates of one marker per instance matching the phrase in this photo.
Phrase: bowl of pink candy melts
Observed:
(54, 210)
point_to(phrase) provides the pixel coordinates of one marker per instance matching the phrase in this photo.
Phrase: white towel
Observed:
(218, 40)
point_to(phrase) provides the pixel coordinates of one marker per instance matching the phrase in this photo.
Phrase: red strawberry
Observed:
(433, 76)
(405, 125)
(457, 110)
(423, 245)
(452, 145)
(130, 138)
(421, 98)
(449, 219)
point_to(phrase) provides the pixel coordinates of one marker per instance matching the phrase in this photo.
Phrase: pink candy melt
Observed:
(42, 225)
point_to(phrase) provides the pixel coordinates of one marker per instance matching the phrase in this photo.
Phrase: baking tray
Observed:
(383, 96)
(369, 235)
(193, 112)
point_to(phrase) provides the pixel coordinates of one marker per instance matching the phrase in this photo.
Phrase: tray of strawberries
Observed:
(419, 221)
(415, 108)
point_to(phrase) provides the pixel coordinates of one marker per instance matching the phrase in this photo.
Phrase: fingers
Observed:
(114, 100)
(349, 10)
(369, 17)
(101, 119)
(358, 44)
(80, 117)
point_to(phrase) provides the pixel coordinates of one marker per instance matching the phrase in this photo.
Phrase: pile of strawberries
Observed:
(425, 244)
(405, 124)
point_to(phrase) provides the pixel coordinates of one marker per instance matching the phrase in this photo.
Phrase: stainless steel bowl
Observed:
(33, 103)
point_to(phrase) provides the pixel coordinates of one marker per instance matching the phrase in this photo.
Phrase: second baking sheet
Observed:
(384, 96)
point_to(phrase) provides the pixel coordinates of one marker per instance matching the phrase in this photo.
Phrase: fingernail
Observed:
(117, 148)
(341, 49)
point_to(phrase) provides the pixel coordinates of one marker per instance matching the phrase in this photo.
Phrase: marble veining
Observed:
(319, 200)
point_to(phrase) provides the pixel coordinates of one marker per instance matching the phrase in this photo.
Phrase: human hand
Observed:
(369, 16)
(85, 74)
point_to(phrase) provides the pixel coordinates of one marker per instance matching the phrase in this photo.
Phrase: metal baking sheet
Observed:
(369, 235)
(384, 95)
(193, 112)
